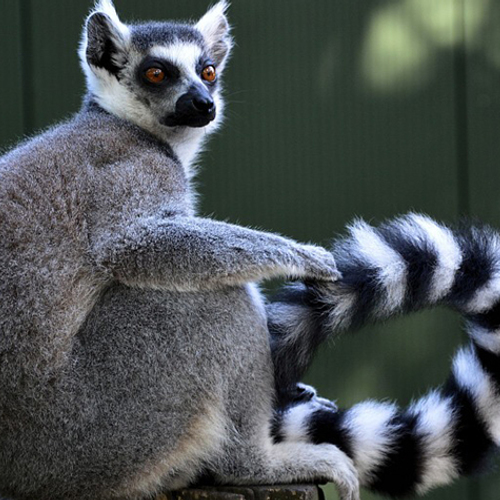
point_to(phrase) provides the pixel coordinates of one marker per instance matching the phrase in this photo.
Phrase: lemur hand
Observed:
(319, 264)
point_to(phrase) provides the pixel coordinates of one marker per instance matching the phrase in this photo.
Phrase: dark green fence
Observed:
(337, 109)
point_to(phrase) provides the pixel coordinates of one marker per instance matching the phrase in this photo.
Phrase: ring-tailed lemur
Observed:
(399, 267)
(134, 346)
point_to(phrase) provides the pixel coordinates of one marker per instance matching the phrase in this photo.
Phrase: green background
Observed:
(336, 109)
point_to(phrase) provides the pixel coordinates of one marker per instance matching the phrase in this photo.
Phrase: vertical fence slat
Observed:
(482, 44)
(58, 84)
(11, 108)
(483, 74)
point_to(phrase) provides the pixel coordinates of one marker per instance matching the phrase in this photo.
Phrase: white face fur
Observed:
(164, 77)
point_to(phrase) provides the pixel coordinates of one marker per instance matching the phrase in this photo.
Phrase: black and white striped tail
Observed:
(401, 266)
(446, 434)
(414, 262)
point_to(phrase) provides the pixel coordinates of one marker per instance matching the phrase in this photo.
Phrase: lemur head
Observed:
(162, 76)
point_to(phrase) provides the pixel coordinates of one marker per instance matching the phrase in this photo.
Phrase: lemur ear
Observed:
(215, 29)
(105, 38)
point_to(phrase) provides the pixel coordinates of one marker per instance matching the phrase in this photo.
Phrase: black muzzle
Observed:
(195, 108)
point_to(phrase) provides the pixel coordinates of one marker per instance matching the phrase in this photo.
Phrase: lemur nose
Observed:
(203, 104)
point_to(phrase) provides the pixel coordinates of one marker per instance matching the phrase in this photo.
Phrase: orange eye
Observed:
(155, 75)
(209, 74)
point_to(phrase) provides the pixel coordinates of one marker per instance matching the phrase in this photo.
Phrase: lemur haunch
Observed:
(134, 344)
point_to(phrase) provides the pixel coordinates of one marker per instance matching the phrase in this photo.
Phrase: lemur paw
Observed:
(341, 472)
(318, 264)
(303, 393)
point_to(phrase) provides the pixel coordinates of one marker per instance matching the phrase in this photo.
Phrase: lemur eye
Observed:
(209, 73)
(154, 75)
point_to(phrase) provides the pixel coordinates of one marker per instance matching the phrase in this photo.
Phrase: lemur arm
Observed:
(402, 266)
(191, 253)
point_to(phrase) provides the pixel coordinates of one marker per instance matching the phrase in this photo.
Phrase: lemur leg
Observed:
(402, 266)
(289, 462)
(296, 327)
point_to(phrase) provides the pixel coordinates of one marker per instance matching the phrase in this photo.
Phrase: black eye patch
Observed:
(172, 72)
(202, 63)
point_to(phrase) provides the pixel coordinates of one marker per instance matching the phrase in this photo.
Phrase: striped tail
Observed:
(402, 266)
(446, 434)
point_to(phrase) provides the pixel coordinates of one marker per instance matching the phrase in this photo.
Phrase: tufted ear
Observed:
(105, 38)
(215, 29)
